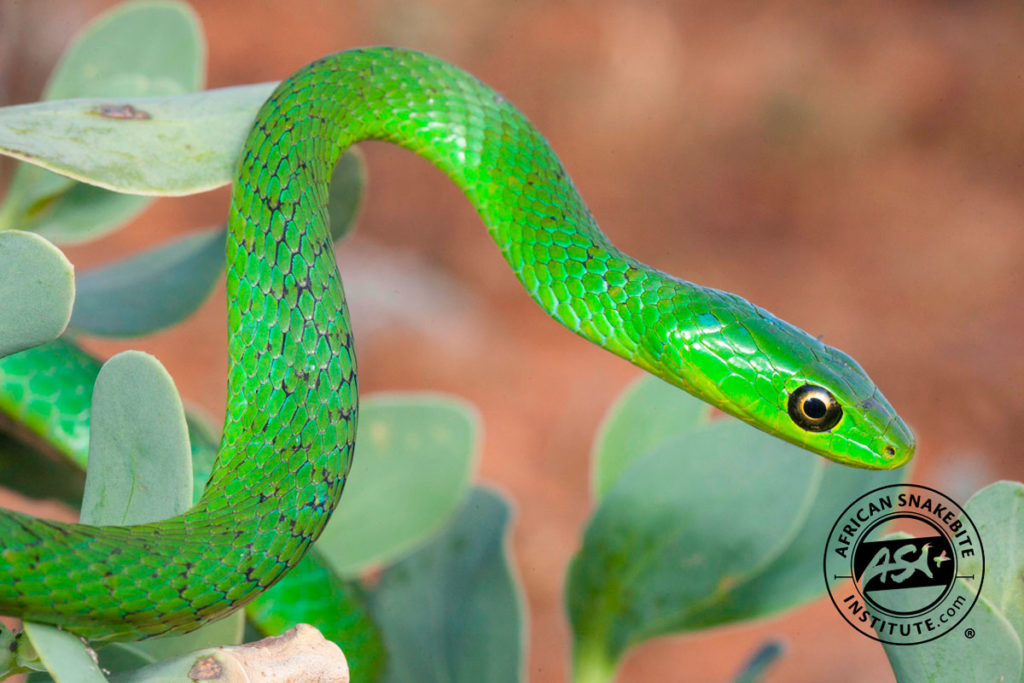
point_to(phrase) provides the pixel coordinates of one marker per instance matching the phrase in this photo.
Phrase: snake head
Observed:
(776, 377)
(834, 409)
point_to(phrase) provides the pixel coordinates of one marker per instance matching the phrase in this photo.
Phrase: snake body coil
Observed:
(292, 397)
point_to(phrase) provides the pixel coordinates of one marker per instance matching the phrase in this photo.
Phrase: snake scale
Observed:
(292, 395)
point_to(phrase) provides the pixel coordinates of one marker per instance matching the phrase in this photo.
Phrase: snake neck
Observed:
(489, 150)
(287, 321)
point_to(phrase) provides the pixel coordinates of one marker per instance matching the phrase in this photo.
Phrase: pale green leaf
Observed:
(37, 290)
(182, 669)
(152, 290)
(85, 212)
(226, 631)
(135, 50)
(118, 657)
(64, 655)
(645, 414)
(144, 48)
(452, 611)
(996, 622)
(993, 655)
(716, 523)
(681, 524)
(167, 146)
(794, 575)
(982, 648)
(140, 466)
(998, 513)
(417, 449)
(345, 199)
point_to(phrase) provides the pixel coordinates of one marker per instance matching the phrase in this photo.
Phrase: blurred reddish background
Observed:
(854, 167)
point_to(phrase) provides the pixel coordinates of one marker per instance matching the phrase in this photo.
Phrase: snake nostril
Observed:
(890, 451)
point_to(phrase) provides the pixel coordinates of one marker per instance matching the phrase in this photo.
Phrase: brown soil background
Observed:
(854, 167)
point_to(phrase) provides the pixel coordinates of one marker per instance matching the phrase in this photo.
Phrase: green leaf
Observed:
(417, 449)
(37, 290)
(646, 414)
(311, 594)
(140, 466)
(120, 657)
(993, 654)
(85, 212)
(65, 656)
(183, 669)
(345, 198)
(452, 611)
(998, 513)
(170, 146)
(138, 49)
(151, 290)
(794, 575)
(714, 525)
(679, 526)
(997, 619)
(31, 473)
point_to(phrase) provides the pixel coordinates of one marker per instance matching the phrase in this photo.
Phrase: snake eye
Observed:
(814, 409)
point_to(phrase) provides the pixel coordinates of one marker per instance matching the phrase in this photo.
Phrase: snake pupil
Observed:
(814, 408)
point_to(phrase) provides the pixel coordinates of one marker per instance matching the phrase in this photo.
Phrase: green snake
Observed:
(292, 402)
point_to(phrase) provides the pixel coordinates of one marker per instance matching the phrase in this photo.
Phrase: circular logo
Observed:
(904, 564)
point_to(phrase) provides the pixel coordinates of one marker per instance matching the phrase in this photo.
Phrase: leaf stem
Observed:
(8, 209)
(591, 664)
